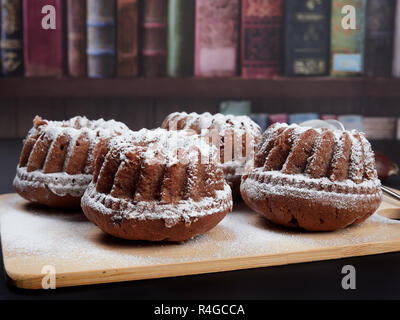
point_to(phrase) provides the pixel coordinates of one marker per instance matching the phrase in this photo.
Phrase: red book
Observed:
(278, 117)
(76, 37)
(216, 38)
(153, 46)
(262, 26)
(328, 117)
(43, 48)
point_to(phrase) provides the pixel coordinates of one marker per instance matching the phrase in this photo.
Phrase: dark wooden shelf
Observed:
(234, 88)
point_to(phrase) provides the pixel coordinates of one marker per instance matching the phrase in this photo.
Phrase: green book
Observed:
(180, 38)
(236, 108)
(347, 45)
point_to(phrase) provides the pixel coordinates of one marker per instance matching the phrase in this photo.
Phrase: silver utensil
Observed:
(391, 193)
(327, 124)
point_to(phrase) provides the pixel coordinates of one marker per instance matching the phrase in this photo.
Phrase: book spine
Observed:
(278, 118)
(101, 42)
(396, 51)
(301, 117)
(43, 48)
(76, 22)
(347, 45)
(180, 38)
(127, 38)
(153, 47)
(377, 128)
(261, 119)
(216, 38)
(379, 37)
(328, 117)
(352, 122)
(1, 67)
(236, 108)
(398, 129)
(307, 34)
(261, 37)
(11, 38)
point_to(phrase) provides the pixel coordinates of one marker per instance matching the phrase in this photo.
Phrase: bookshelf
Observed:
(218, 88)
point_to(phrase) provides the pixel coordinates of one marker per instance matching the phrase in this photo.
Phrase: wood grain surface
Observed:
(33, 237)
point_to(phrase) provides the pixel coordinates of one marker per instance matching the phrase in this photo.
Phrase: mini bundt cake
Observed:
(235, 136)
(56, 163)
(157, 185)
(314, 179)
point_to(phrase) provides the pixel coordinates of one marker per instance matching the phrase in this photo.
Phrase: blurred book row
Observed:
(201, 38)
(375, 128)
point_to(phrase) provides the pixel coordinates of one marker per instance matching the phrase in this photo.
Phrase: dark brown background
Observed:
(144, 103)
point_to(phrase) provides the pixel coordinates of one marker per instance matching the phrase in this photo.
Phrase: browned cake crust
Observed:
(314, 179)
(56, 162)
(230, 130)
(147, 188)
(43, 195)
(150, 229)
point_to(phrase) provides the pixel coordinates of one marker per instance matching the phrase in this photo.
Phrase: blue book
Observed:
(261, 119)
(101, 39)
(301, 117)
(352, 121)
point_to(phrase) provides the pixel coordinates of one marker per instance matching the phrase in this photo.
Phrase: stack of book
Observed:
(201, 38)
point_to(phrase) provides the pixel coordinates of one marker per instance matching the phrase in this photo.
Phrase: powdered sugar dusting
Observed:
(352, 157)
(74, 127)
(356, 167)
(150, 210)
(229, 133)
(341, 194)
(217, 121)
(60, 183)
(94, 130)
(167, 147)
(66, 239)
(313, 158)
(162, 149)
(369, 162)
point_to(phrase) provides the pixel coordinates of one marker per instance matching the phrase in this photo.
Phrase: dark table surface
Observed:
(377, 276)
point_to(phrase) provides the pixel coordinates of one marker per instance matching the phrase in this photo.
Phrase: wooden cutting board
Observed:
(35, 240)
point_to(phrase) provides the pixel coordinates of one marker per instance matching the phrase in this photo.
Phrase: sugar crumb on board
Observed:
(30, 231)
